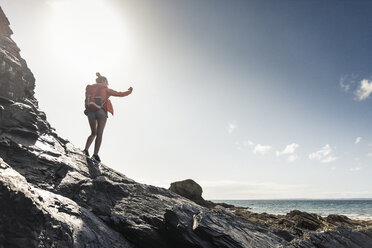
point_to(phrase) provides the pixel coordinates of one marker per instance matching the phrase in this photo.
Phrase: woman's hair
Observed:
(100, 79)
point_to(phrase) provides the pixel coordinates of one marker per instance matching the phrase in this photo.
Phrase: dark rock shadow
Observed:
(93, 168)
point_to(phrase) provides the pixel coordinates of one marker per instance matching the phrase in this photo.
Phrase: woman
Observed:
(97, 116)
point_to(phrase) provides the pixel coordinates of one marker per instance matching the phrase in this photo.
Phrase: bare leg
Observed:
(93, 129)
(100, 128)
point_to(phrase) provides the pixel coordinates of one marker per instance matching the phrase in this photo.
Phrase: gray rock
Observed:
(32, 217)
(340, 237)
(187, 188)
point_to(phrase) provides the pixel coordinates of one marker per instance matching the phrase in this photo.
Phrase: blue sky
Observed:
(252, 99)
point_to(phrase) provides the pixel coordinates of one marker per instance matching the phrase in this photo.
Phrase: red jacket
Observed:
(105, 92)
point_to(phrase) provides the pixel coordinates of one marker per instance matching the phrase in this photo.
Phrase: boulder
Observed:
(188, 188)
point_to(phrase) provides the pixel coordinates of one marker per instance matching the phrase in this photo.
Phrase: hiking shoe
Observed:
(86, 153)
(96, 157)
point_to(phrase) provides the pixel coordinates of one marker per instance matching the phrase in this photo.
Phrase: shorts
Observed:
(95, 115)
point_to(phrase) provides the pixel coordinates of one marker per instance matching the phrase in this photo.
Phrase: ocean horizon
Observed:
(355, 208)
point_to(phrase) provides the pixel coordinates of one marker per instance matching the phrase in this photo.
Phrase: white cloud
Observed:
(355, 84)
(289, 149)
(355, 169)
(261, 149)
(364, 90)
(231, 127)
(318, 155)
(323, 155)
(358, 139)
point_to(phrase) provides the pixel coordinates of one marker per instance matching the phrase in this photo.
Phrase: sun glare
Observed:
(87, 32)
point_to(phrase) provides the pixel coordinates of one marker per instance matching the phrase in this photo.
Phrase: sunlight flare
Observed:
(88, 33)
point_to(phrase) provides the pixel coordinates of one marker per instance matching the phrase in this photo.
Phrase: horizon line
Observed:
(273, 199)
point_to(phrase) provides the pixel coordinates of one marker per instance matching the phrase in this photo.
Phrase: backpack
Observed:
(93, 98)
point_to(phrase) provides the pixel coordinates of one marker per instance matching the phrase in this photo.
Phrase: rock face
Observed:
(16, 80)
(32, 217)
(51, 195)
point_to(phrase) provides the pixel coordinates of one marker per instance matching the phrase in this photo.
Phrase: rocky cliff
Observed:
(51, 195)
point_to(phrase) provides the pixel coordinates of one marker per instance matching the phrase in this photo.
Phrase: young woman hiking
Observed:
(97, 104)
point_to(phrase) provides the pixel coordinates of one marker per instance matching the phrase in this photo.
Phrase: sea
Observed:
(353, 208)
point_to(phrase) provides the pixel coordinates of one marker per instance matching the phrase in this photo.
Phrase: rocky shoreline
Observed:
(52, 195)
(296, 224)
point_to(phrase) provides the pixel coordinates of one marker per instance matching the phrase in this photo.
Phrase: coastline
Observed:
(292, 220)
(298, 224)
(357, 209)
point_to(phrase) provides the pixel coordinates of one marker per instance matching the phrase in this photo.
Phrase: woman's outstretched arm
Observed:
(112, 92)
